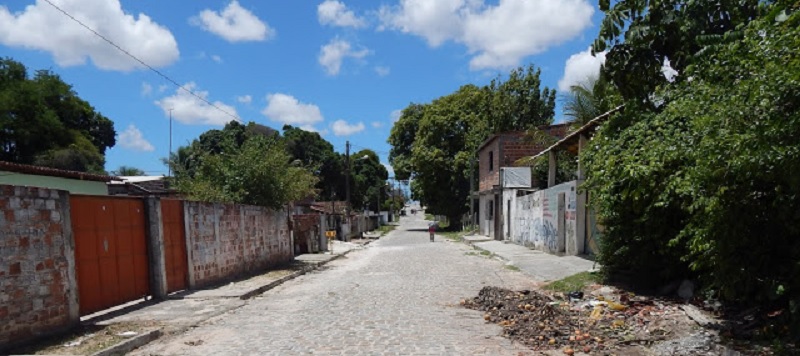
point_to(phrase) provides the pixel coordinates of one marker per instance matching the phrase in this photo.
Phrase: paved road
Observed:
(400, 296)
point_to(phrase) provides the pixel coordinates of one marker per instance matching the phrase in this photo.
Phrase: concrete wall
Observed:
(74, 186)
(38, 293)
(535, 222)
(227, 240)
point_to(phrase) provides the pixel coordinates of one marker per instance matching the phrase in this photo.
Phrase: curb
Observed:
(294, 275)
(141, 340)
(130, 344)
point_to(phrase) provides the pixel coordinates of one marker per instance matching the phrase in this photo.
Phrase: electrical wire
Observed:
(142, 62)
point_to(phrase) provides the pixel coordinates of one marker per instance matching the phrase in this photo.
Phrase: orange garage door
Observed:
(110, 250)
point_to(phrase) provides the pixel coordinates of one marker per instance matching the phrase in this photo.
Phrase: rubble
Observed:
(603, 321)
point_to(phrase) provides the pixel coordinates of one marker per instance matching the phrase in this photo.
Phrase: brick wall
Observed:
(227, 240)
(38, 293)
(487, 178)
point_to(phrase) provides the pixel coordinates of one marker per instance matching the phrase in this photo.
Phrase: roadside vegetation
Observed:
(575, 282)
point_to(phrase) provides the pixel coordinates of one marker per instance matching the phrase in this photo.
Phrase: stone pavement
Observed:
(398, 296)
(540, 265)
(186, 309)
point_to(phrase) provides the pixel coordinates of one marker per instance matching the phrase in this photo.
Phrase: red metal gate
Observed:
(110, 250)
(174, 245)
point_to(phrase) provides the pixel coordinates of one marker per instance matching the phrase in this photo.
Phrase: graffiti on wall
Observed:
(536, 219)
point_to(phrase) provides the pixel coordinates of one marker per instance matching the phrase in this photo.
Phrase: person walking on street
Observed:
(432, 229)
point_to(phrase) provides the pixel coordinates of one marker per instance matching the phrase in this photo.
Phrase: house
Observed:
(556, 219)
(495, 156)
(142, 186)
(45, 177)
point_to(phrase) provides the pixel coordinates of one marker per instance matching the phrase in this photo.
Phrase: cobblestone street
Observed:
(399, 296)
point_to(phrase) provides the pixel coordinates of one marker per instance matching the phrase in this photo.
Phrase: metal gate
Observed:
(174, 245)
(110, 250)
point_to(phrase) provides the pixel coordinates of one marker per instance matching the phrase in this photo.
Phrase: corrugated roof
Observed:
(53, 172)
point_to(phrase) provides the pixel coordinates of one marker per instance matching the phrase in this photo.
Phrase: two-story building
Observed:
(495, 155)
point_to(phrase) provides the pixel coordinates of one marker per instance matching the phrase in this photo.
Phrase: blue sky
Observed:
(342, 68)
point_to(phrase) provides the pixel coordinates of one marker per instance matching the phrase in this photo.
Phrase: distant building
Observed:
(37, 176)
(142, 186)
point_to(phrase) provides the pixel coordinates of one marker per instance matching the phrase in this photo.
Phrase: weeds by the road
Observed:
(512, 268)
(575, 282)
(456, 236)
(385, 229)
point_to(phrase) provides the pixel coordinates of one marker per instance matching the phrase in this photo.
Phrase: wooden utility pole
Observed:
(347, 179)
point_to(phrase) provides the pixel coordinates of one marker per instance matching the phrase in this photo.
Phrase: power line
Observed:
(142, 62)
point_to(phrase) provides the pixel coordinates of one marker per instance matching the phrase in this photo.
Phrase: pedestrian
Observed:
(431, 229)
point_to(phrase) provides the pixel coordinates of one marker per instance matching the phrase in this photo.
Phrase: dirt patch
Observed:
(604, 321)
(87, 339)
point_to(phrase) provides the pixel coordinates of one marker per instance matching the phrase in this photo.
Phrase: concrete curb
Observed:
(292, 276)
(130, 344)
(141, 340)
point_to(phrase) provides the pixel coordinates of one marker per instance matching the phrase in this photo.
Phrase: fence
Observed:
(63, 256)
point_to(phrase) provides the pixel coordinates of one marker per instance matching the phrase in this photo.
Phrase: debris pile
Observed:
(605, 319)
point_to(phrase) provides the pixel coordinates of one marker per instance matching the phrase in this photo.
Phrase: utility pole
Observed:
(347, 178)
(169, 157)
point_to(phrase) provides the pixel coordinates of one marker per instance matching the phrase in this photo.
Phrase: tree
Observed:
(518, 103)
(258, 171)
(642, 35)
(436, 142)
(318, 155)
(43, 121)
(590, 99)
(368, 178)
(706, 187)
(128, 171)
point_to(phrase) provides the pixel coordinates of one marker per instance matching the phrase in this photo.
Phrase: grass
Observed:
(429, 217)
(385, 229)
(456, 236)
(512, 268)
(574, 282)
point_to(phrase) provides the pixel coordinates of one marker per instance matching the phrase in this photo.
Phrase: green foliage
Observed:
(575, 282)
(43, 121)
(435, 143)
(368, 180)
(241, 165)
(318, 155)
(127, 171)
(590, 99)
(708, 187)
(641, 34)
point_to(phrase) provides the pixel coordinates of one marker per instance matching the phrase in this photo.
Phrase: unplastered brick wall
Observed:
(227, 240)
(38, 293)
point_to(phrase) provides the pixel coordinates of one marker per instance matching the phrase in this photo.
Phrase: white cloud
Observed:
(234, 24)
(287, 109)
(377, 124)
(335, 13)
(41, 27)
(332, 54)
(190, 110)
(147, 89)
(580, 67)
(395, 115)
(216, 58)
(382, 71)
(498, 36)
(132, 139)
(244, 99)
(342, 128)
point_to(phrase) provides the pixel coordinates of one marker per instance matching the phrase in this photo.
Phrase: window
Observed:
(491, 161)
(490, 210)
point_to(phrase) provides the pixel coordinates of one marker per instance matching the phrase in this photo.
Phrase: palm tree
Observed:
(590, 99)
(127, 171)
